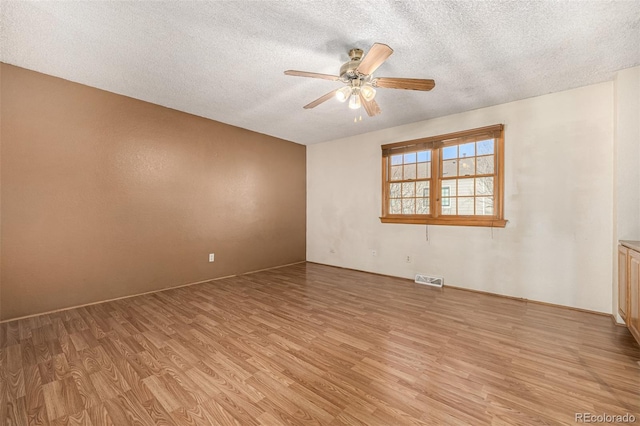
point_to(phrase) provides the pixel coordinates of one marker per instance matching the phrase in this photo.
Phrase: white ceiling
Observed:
(225, 60)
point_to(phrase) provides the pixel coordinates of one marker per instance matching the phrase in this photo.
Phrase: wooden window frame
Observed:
(435, 144)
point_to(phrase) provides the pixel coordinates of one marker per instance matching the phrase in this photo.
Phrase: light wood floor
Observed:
(312, 344)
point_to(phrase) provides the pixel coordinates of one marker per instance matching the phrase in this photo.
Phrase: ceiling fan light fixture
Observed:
(368, 93)
(354, 101)
(343, 94)
(357, 74)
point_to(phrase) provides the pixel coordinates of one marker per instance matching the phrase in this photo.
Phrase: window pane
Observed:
(485, 165)
(467, 150)
(422, 189)
(424, 156)
(467, 167)
(422, 206)
(484, 206)
(396, 172)
(462, 182)
(485, 147)
(450, 152)
(484, 186)
(450, 168)
(465, 187)
(409, 189)
(465, 206)
(448, 206)
(395, 206)
(395, 190)
(409, 171)
(410, 158)
(408, 205)
(449, 188)
(424, 170)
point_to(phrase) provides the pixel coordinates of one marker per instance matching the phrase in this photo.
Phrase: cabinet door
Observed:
(634, 294)
(623, 283)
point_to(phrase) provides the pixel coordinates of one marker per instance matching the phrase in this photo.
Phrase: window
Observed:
(453, 179)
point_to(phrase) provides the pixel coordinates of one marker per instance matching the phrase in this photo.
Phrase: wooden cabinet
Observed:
(623, 282)
(629, 285)
(633, 314)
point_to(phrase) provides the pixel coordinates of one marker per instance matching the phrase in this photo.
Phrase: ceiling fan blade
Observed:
(374, 58)
(312, 75)
(320, 100)
(371, 106)
(404, 83)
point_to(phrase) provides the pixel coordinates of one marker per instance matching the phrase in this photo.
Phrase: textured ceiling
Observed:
(225, 60)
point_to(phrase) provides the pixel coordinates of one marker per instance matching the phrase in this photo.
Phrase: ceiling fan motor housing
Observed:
(348, 69)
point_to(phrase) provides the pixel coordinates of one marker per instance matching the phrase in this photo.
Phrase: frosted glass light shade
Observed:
(343, 94)
(368, 93)
(354, 102)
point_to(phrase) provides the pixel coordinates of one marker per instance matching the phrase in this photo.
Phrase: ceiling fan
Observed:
(360, 83)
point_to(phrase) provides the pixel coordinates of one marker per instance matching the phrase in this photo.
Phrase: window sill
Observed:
(417, 220)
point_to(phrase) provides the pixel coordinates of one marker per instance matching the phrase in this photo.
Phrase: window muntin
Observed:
(409, 183)
(468, 178)
(453, 179)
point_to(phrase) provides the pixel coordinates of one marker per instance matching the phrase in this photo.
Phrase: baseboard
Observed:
(317, 263)
(522, 299)
(537, 302)
(615, 322)
(144, 293)
(274, 267)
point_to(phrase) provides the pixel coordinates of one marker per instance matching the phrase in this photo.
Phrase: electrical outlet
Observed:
(374, 253)
(407, 259)
(211, 257)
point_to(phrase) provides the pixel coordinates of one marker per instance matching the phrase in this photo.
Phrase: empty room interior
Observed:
(325, 213)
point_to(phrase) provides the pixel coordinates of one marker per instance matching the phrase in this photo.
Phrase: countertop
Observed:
(635, 245)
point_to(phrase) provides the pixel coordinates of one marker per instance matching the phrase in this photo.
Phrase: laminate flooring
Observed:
(313, 344)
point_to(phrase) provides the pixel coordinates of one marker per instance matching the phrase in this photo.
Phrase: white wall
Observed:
(627, 163)
(627, 129)
(557, 246)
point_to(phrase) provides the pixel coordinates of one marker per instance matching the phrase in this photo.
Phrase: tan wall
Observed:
(105, 196)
